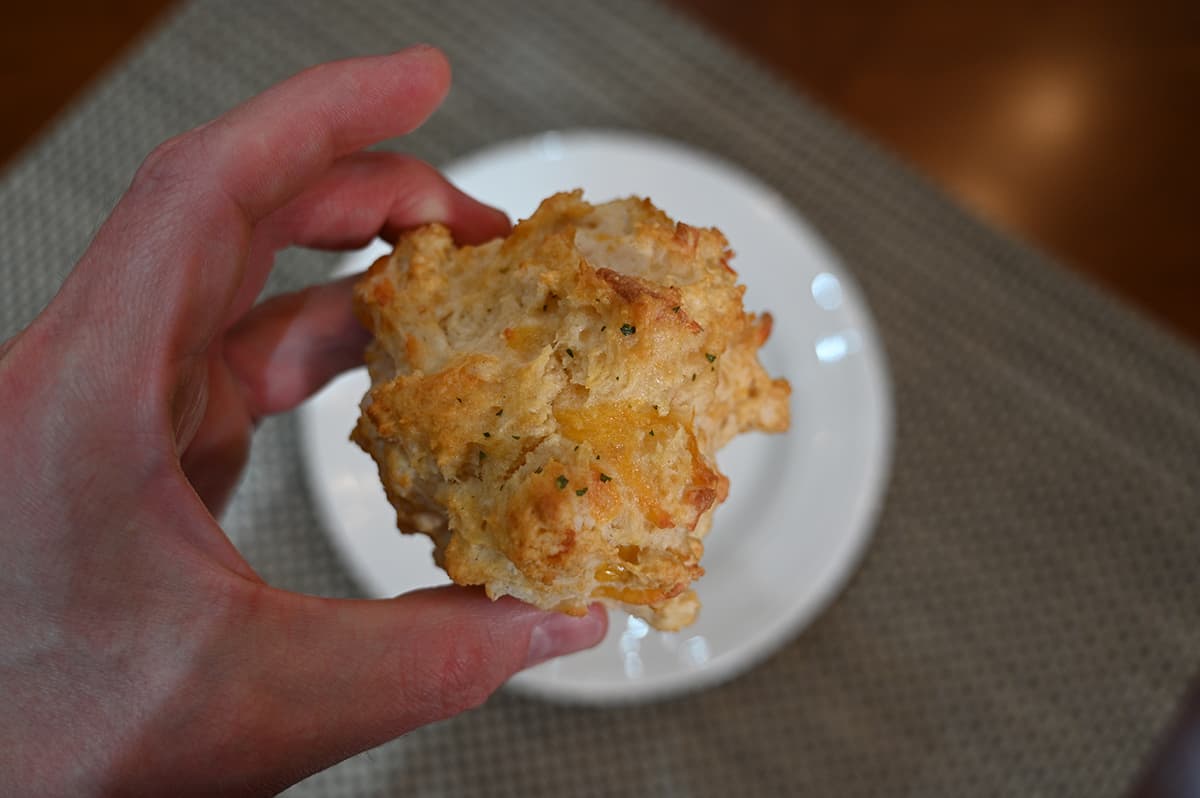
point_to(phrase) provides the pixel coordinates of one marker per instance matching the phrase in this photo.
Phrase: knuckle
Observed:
(163, 159)
(468, 674)
(166, 163)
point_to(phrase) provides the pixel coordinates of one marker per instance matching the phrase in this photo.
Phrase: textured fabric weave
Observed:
(1029, 613)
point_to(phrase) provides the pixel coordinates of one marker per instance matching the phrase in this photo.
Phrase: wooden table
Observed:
(1072, 125)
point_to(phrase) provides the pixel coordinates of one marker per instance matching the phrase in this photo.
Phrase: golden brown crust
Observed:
(547, 407)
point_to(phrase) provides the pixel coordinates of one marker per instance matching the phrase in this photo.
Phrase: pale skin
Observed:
(139, 652)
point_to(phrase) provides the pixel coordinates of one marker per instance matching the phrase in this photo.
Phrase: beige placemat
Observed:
(1029, 614)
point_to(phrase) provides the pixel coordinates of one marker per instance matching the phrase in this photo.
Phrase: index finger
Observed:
(267, 150)
(171, 255)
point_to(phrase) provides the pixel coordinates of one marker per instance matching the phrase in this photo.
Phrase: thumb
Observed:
(335, 677)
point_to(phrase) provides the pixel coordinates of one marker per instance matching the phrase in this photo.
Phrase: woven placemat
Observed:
(1029, 613)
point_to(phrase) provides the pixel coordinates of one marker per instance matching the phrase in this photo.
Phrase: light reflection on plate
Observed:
(801, 505)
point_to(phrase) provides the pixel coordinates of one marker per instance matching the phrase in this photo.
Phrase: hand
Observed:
(139, 653)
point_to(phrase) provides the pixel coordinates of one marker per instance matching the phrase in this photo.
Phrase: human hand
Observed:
(139, 653)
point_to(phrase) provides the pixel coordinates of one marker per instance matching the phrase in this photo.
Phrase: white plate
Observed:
(802, 504)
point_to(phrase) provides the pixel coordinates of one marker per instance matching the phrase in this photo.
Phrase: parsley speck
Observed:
(709, 356)
(537, 470)
(516, 437)
(652, 433)
(482, 455)
(581, 491)
(487, 434)
(675, 309)
(605, 478)
(561, 482)
(628, 329)
(570, 353)
(500, 412)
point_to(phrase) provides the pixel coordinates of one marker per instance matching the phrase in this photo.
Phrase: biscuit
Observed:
(547, 407)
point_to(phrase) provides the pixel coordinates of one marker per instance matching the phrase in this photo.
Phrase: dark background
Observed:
(1073, 125)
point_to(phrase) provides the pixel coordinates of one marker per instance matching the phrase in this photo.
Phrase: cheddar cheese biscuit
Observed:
(547, 407)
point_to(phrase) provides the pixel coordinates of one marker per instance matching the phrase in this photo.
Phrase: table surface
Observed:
(1056, 461)
(1072, 125)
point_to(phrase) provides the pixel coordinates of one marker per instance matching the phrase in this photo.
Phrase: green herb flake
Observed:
(458, 399)
(605, 478)
(652, 433)
(628, 329)
(693, 376)
(487, 434)
(603, 327)
(516, 437)
(570, 353)
(581, 491)
(675, 309)
(561, 482)
(500, 412)
(482, 455)
(709, 356)
(537, 470)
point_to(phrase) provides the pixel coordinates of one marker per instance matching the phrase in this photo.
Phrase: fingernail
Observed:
(430, 207)
(558, 634)
(502, 219)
